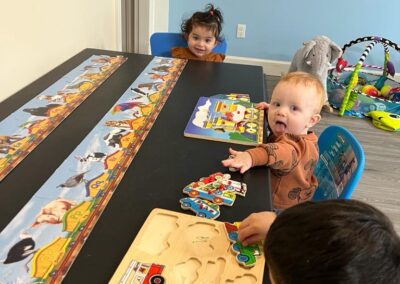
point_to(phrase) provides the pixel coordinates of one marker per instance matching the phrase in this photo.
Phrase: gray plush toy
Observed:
(315, 57)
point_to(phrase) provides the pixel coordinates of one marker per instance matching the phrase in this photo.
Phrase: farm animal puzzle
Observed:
(44, 238)
(28, 126)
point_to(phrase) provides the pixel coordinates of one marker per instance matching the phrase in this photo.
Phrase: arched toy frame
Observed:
(351, 92)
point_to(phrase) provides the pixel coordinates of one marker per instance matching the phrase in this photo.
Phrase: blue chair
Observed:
(340, 165)
(161, 44)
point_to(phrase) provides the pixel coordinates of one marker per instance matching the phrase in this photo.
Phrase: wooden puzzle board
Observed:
(193, 250)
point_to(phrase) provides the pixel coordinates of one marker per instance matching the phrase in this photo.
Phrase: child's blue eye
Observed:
(276, 104)
(294, 108)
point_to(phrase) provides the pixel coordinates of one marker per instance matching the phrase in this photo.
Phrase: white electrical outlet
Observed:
(241, 31)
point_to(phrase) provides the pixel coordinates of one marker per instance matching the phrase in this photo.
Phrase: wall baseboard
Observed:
(270, 67)
(278, 68)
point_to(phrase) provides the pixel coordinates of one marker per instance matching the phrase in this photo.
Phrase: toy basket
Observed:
(358, 89)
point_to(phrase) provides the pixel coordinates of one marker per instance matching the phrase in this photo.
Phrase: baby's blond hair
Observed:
(308, 80)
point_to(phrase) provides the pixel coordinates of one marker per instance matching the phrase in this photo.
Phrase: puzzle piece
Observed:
(143, 273)
(217, 188)
(245, 255)
(202, 208)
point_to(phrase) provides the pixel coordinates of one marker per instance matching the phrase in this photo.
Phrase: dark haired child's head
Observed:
(333, 241)
(202, 30)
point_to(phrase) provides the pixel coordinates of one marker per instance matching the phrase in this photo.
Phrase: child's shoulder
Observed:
(185, 53)
(181, 52)
(215, 57)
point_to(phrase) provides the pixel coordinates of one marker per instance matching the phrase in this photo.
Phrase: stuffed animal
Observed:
(315, 57)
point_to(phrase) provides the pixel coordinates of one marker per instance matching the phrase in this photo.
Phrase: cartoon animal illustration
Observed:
(164, 61)
(161, 68)
(21, 250)
(119, 123)
(80, 85)
(74, 180)
(108, 60)
(92, 157)
(113, 139)
(6, 141)
(10, 138)
(144, 97)
(155, 76)
(5, 148)
(53, 212)
(41, 111)
(139, 91)
(58, 98)
(90, 67)
(93, 77)
(149, 86)
(125, 106)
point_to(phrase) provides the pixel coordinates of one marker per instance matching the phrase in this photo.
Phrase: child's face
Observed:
(201, 41)
(293, 109)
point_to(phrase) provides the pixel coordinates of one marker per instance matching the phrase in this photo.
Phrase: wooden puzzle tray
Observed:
(172, 247)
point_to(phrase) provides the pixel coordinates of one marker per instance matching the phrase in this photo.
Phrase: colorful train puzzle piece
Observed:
(143, 273)
(202, 208)
(245, 255)
(217, 188)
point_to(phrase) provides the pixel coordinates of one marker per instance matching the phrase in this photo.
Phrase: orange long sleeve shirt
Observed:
(292, 160)
(185, 53)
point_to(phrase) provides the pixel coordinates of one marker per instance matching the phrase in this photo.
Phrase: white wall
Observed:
(161, 15)
(152, 16)
(36, 36)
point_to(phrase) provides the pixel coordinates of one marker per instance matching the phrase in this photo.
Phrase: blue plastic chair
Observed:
(340, 165)
(161, 44)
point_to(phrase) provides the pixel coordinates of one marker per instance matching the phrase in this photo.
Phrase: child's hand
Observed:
(255, 227)
(262, 105)
(238, 160)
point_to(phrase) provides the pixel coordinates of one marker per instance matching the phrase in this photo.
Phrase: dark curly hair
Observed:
(210, 18)
(333, 242)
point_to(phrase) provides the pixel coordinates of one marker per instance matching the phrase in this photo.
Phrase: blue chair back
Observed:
(161, 44)
(340, 165)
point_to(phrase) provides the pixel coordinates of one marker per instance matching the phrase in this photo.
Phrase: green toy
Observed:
(385, 120)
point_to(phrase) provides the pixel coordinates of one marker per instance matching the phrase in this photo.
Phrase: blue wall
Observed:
(276, 29)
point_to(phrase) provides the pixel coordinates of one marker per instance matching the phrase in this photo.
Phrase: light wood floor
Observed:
(380, 182)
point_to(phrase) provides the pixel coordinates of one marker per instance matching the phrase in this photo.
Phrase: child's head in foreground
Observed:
(295, 104)
(202, 30)
(333, 241)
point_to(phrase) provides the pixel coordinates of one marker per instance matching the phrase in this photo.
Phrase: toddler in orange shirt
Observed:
(291, 152)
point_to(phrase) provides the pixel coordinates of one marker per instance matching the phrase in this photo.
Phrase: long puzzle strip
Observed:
(28, 126)
(42, 241)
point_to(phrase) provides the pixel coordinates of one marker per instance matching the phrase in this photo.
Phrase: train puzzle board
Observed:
(183, 249)
(232, 121)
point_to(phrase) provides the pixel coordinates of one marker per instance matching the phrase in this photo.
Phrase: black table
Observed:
(166, 162)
